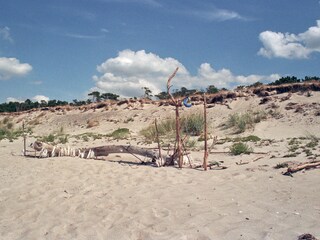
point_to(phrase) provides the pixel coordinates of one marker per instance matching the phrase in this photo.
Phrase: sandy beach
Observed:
(74, 198)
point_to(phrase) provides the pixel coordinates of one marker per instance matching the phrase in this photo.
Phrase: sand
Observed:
(73, 198)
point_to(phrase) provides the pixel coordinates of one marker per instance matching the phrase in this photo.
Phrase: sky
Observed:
(65, 49)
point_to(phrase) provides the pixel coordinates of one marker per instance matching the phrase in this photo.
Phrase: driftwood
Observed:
(303, 166)
(177, 104)
(106, 150)
(212, 166)
(47, 150)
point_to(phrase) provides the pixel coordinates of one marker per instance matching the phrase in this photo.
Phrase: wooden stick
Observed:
(159, 146)
(302, 166)
(24, 140)
(176, 104)
(169, 86)
(206, 153)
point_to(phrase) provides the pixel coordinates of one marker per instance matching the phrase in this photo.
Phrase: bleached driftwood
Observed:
(48, 150)
(303, 166)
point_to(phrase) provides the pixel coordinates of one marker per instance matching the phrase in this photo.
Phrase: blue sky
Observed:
(63, 49)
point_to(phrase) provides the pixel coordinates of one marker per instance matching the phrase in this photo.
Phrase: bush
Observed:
(192, 124)
(243, 121)
(165, 128)
(49, 138)
(251, 138)
(281, 165)
(63, 139)
(7, 130)
(240, 148)
(120, 133)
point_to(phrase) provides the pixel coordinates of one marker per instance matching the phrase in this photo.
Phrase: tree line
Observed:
(96, 96)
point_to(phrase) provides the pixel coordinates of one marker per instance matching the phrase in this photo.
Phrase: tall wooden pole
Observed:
(205, 157)
(24, 140)
(176, 104)
(158, 140)
(178, 138)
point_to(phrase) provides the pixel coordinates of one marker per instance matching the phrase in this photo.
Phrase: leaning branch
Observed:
(303, 166)
(169, 86)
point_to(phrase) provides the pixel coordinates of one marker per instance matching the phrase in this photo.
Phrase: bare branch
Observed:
(169, 86)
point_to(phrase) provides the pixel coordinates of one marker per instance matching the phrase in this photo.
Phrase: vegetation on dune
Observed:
(240, 148)
(191, 125)
(96, 96)
(55, 137)
(8, 131)
(120, 133)
(240, 122)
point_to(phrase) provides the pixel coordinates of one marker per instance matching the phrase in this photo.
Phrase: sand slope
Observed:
(72, 198)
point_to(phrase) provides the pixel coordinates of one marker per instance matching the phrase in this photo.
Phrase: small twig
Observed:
(257, 159)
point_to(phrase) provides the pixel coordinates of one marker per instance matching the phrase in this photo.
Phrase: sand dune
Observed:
(73, 198)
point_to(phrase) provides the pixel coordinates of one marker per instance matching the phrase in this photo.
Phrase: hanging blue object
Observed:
(186, 102)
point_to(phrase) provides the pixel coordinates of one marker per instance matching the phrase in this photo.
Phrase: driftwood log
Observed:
(47, 150)
(303, 166)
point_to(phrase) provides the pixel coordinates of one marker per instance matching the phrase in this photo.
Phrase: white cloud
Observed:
(12, 99)
(104, 30)
(5, 34)
(217, 14)
(290, 46)
(224, 78)
(127, 73)
(39, 98)
(11, 67)
(81, 36)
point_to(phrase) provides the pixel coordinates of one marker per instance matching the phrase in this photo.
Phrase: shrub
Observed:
(165, 127)
(281, 165)
(191, 143)
(7, 130)
(63, 139)
(192, 124)
(251, 138)
(120, 133)
(48, 138)
(243, 121)
(240, 148)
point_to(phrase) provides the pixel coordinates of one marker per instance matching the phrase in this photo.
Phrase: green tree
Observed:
(162, 95)
(285, 80)
(307, 78)
(147, 93)
(212, 89)
(95, 96)
(110, 96)
(256, 84)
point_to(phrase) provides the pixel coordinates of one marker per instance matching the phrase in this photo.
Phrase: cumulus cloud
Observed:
(290, 46)
(5, 34)
(12, 99)
(11, 67)
(224, 78)
(130, 71)
(39, 98)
